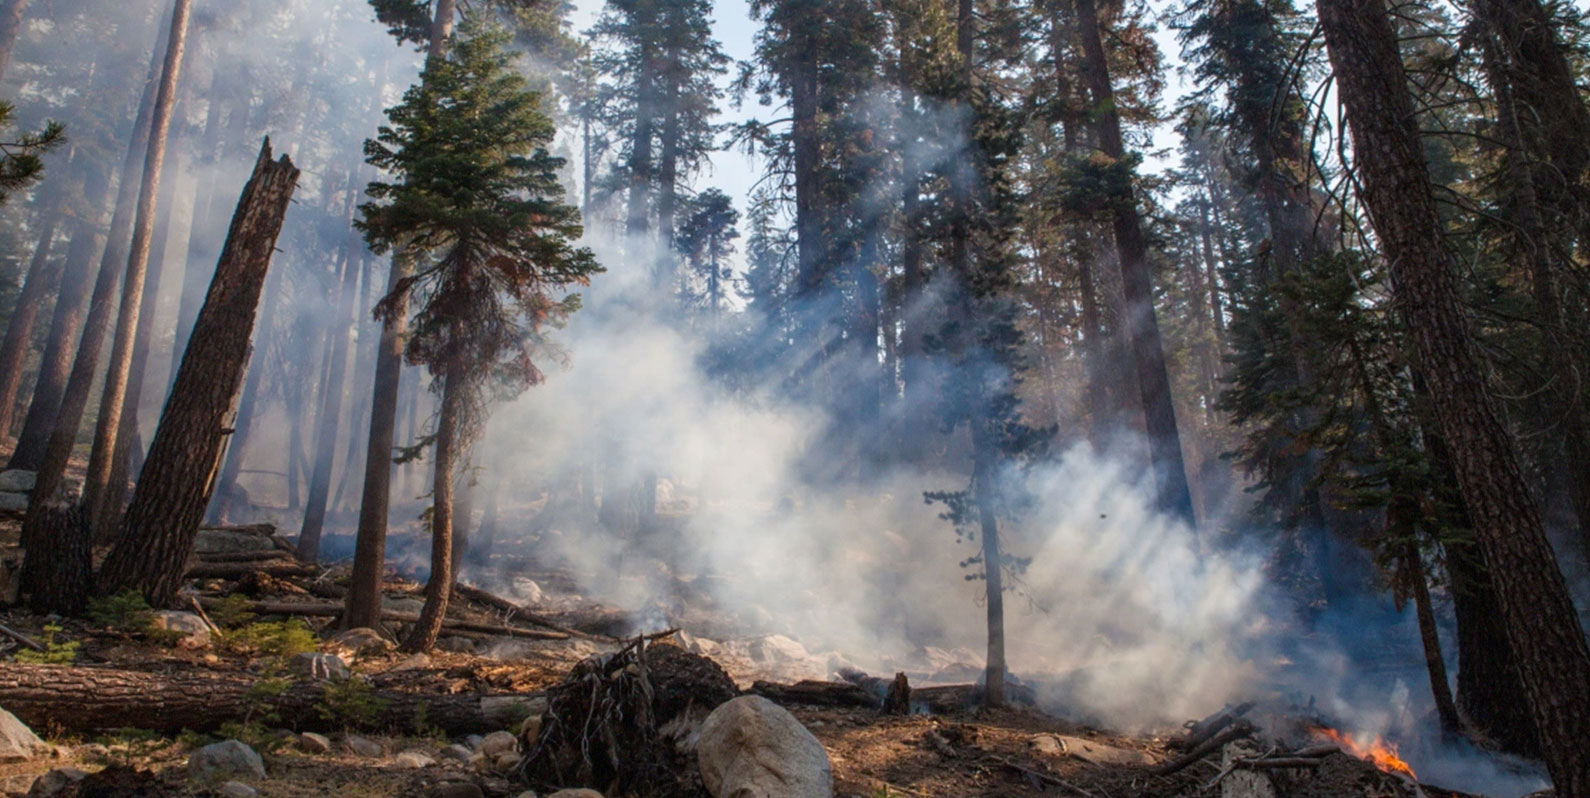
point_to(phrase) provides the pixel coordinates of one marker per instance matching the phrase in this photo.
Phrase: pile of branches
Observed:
(626, 723)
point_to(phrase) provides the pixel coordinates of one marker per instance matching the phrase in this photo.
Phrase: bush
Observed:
(353, 704)
(54, 653)
(280, 639)
(125, 612)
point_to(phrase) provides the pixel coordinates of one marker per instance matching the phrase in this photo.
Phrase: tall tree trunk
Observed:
(439, 588)
(128, 442)
(369, 557)
(113, 399)
(45, 554)
(1142, 327)
(1490, 692)
(56, 363)
(168, 505)
(330, 417)
(43, 279)
(227, 492)
(10, 26)
(1553, 657)
(811, 278)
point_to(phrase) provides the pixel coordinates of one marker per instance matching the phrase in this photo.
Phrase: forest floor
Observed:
(963, 752)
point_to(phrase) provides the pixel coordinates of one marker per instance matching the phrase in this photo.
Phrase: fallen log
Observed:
(819, 694)
(237, 570)
(495, 601)
(1202, 730)
(247, 556)
(333, 610)
(83, 699)
(1234, 731)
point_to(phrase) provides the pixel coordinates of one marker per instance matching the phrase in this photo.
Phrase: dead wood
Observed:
(334, 610)
(818, 694)
(898, 700)
(1202, 730)
(238, 570)
(247, 556)
(1043, 777)
(84, 698)
(494, 601)
(1241, 728)
(20, 638)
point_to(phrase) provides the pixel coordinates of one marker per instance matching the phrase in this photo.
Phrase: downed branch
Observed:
(333, 610)
(83, 698)
(1202, 730)
(475, 594)
(818, 694)
(1043, 777)
(1236, 730)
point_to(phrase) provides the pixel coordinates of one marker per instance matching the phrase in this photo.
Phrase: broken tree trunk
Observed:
(87, 698)
(163, 519)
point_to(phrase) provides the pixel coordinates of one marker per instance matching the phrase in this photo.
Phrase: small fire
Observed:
(1379, 753)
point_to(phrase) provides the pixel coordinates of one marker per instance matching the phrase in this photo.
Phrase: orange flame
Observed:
(1379, 753)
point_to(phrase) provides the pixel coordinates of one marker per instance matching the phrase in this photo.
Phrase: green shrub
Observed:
(232, 611)
(54, 653)
(352, 703)
(269, 639)
(125, 612)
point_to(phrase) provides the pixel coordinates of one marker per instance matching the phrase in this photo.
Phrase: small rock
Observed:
(17, 741)
(480, 763)
(506, 762)
(362, 746)
(17, 481)
(474, 741)
(751, 746)
(582, 793)
(195, 633)
(237, 789)
(498, 743)
(413, 760)
(456, 645)
(458, 789)
(312, 743)
(320, 666)
(55, 782)
(458, 753)
(225, 759)
(361, 640)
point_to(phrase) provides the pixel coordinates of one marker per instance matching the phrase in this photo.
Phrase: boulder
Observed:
(192, 630)
(498, 743)
(55, 782)
(474, 741)
(224, 761)
(751, 747)
(13, 502)
(319, 666)
(362, 640)
(778, 648)
(17, 481)
(413, 760)
(237, 789)
(17, 741)
(457, 753)
(312, 743)
(408, 604)
(506, 762)
(362, 746)
(231, 541)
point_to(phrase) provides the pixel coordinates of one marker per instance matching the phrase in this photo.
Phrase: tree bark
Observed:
(161, 522)
(85, 699)
(43, 279)
(439, 588)
(1142, 327)
(10, 26)
(96, 482)
(1553, 658)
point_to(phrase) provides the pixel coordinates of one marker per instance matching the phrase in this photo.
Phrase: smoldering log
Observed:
(479, 596)
(818, 694)
(334, 610)
(83, 699)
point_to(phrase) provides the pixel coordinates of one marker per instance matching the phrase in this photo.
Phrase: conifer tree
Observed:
(475, 202)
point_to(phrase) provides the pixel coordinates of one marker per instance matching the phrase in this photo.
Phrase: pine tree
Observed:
(475, 201)
(706, 241)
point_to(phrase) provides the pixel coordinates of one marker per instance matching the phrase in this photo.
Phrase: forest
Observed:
(795, 398)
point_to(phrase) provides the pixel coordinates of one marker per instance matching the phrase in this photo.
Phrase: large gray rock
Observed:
(17, 481)
(498, 743)
(17, 741)
(363, 746)
(361, 640)
(13, 502)
(319, 666)
(752, 748)
(225, 761)
(237, 789)
(193, 631)
(56, 782)
(231, 541)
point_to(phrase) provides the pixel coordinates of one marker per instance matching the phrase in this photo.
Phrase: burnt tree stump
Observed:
(161, 523)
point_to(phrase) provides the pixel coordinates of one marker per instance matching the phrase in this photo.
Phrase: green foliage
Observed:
(232, 611)
(273, 639)
(354, 704)
(54, 653)
(409, 21)
(126, 612)
(22, 161)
